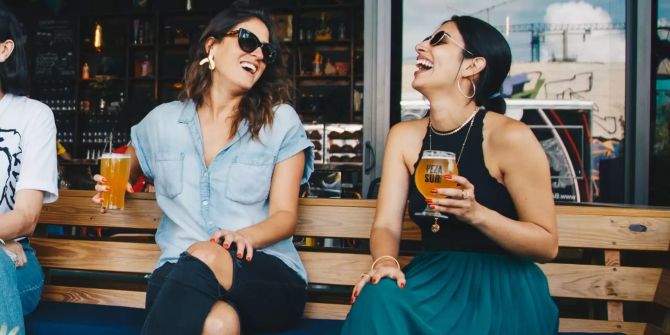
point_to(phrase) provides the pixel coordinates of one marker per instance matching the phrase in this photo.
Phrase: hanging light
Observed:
(97, 38)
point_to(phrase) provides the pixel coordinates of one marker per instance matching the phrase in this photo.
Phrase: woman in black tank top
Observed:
(477, 274)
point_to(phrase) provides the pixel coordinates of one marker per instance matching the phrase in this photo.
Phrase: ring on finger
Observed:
(464, 195)
(365, 274)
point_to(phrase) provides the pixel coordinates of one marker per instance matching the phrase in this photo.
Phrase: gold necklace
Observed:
(432, 130)
(435, 227)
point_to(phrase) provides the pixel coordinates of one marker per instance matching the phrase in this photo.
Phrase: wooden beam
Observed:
(663, 292)
(84, 295)
(598, 326)
(614, 308)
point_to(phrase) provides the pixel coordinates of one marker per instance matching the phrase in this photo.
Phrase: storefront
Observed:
(102, 66)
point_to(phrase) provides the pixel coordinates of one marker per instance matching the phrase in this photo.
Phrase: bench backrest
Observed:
(609, 229)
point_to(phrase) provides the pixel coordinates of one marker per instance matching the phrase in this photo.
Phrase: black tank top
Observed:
(454, 234)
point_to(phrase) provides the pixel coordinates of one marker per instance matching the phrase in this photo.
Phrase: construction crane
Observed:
(488, 9)
(539, 30)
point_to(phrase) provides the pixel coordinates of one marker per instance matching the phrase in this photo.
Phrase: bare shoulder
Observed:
(507, 133)
(405, 138)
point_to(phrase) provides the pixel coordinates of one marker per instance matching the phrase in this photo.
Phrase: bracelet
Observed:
(384, 257)
(2, 242)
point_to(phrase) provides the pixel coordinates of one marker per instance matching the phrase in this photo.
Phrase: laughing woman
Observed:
(227, 163)
(477, 274)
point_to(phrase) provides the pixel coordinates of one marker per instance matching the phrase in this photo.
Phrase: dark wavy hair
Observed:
(271, 89)
(483, 40)
(14, 70)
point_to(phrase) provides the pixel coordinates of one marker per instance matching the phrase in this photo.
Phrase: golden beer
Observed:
(430, 172)
(116, 168)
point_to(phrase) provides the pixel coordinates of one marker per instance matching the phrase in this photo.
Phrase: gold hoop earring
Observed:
(474, 89)
(209, 60)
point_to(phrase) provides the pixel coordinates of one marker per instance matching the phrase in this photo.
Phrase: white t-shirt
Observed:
(27, 150)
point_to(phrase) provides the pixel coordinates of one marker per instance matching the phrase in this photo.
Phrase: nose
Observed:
(258, 53)
(421, 46)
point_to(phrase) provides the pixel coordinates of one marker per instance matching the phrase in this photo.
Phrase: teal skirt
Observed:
(458, 293)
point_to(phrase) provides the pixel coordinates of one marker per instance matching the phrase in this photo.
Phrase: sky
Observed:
(422, 17)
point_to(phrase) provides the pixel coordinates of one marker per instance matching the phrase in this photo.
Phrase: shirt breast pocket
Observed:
(168, 174)
(249, 179)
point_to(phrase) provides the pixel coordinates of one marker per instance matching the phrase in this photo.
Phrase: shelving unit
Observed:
(145, 47)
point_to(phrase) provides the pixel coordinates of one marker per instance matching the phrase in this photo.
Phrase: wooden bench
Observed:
(603, 231)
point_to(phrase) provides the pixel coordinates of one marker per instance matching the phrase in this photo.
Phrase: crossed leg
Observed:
(222, 318)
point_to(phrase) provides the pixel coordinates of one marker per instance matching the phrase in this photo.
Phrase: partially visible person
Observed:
(28, 177)
(62, 152)
(227, 162)
(477, 274)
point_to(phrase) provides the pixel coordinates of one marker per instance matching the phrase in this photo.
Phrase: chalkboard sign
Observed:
(54, 49)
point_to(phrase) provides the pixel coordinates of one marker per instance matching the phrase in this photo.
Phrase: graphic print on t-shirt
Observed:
(10, 162)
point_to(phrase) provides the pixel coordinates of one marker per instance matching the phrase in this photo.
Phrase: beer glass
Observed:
(430, 172)
(116, 168)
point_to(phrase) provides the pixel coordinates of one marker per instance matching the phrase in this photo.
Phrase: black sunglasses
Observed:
(439, 38)
(249, 42)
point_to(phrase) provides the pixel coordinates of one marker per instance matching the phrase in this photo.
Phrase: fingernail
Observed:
(351, 301)
(375, 281)
(104, 180)
(212, 240)
(226, 245)
(239, 255)
(248, 259)
(432, 206)
(356, 294)
(402, 285)
(448, 176)
(428, 201)
(434, 190)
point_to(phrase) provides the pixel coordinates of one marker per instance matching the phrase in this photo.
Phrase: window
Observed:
(567, 81)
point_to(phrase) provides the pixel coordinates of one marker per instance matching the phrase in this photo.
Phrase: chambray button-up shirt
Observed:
(232, 193)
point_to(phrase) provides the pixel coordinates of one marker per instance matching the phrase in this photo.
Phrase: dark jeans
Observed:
(267, 294)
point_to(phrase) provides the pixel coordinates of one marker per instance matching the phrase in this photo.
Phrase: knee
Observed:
(209, 253)
(385, 291)
(222, 319)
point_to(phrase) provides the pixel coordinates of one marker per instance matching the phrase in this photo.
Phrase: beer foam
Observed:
(113, 155)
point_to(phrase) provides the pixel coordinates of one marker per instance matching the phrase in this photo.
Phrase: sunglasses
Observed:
(249, 42)
(439, 38)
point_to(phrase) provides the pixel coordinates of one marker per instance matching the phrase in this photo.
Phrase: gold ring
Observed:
(365, 274)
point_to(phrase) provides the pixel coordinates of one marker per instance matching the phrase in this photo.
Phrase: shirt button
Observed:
(205, 203)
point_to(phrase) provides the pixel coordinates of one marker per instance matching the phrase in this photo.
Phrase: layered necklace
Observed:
(470, 120)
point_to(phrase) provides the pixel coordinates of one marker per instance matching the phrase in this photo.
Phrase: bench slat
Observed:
(96, 255)
(565, 280)
(663, 293)
(97, 296)
(77, 211)
(600, 326)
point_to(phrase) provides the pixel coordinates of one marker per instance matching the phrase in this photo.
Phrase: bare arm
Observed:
(283, 212)
(135, 169)
(392, 200)
(21, 221)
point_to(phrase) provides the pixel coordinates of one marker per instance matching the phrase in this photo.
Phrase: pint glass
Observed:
(430, 172)
(116, 168)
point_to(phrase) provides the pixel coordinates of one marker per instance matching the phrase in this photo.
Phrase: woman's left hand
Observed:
(227, 237)
(17, 249)
(460, 202)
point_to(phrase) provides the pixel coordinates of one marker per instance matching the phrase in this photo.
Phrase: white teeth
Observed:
(424, 64)
(249, 67)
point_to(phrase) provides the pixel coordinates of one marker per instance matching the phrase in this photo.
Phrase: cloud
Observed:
(606, 46)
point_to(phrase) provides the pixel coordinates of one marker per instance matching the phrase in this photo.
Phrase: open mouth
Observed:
(251, 68)
(424, 64)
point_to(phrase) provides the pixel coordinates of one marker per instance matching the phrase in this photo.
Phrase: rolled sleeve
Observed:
(295, 140)
(139, 141)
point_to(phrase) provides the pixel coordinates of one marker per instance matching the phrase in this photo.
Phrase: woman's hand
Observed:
(227, 237)
(460, 202)
(383, 269)
(100, 188)
(17, 249)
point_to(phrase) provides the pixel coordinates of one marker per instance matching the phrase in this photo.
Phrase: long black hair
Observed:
(14, 70)
(483, 40)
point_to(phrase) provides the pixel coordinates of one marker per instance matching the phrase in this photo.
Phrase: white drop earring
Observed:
(210, 61)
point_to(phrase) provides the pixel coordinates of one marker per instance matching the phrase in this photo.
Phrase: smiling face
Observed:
(438, 66)
(236, 69)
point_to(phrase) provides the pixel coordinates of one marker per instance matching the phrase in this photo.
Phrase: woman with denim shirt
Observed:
(227, 162)
(28, 178)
